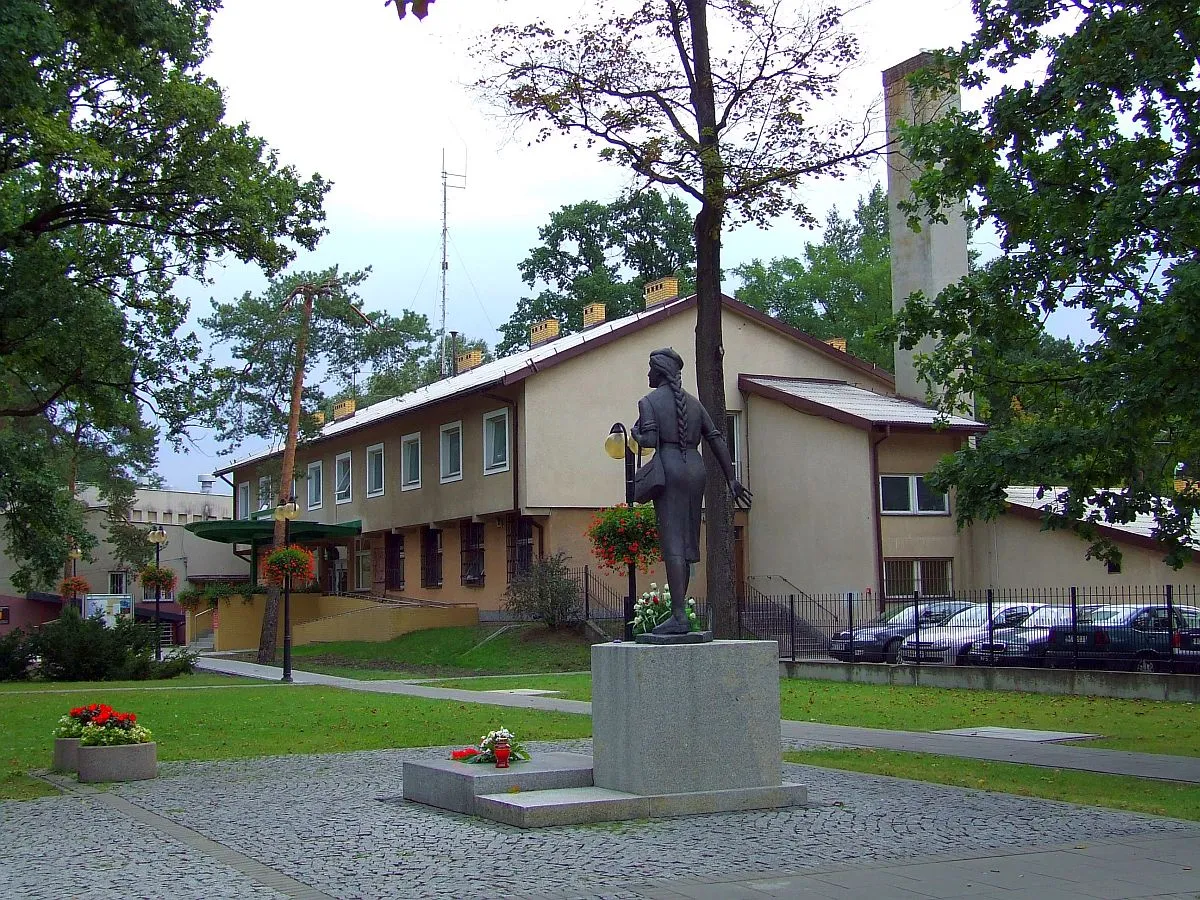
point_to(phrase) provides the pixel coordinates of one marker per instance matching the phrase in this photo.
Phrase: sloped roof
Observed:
(1024, 501)
(511, 369)
(853, 405)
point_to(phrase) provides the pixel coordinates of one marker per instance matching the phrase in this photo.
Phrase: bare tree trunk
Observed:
(710, 369)
(270, 622)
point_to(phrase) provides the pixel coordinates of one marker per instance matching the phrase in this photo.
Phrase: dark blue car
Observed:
(1026, 644)
(880, 641)
(1138, 638)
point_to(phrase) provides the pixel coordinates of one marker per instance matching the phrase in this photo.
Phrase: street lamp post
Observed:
(158, 537)
(619, 444)
(74, 554)
(285, 512)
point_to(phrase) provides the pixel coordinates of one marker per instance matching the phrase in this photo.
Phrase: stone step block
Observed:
(450, 784)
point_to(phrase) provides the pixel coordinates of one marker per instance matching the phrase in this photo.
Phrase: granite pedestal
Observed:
(676, 730)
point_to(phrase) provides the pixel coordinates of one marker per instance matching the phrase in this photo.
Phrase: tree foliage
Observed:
(253, 395)
(118, 175)
(841, 288)
(1088, 173)
(735, 130)
(601, 253)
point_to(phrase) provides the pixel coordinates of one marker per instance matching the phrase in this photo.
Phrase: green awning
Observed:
(262, 531)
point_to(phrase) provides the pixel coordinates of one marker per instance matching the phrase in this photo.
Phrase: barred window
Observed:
(902, 578)
(431, 557)
(471, 539)
(519, 545)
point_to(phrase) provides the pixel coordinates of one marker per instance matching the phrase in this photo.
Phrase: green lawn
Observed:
(450, 651)
(217, 723)
(1144, 726)
(1144, 795)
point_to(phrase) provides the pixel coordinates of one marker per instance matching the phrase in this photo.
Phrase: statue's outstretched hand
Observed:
(742, 498)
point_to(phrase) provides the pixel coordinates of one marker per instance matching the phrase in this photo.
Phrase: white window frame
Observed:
(319, 468)
(337, 498)
(488, 417)
(270, 501)
(124, 577)
(362, 553)
(912, 509)
(378, 491)
(407, 484)
(447, 429)
(243, 501)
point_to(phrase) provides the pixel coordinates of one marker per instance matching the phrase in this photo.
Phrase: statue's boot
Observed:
(677, 624)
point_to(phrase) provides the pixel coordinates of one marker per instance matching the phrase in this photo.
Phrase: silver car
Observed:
(947, 644)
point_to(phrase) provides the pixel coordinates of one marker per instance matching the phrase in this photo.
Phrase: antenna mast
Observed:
(446, 176)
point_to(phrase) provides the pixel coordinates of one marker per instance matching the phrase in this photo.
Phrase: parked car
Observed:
(1187, 647)
(946, 645)
(1138, 638)
(1025, 644)
(879, 641)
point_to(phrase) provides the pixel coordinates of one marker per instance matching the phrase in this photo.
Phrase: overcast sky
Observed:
(372, 103)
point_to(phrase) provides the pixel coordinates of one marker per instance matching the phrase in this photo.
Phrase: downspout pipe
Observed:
(877, 437)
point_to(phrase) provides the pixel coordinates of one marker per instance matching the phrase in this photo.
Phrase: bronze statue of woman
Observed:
(672, 421)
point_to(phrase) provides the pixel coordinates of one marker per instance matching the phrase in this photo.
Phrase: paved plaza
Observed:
(334, 825)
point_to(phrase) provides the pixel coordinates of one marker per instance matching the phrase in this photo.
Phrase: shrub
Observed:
(546, 591)
(73, 648)
(16, 655)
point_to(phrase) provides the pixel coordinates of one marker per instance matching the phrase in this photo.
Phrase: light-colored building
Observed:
(189, 556)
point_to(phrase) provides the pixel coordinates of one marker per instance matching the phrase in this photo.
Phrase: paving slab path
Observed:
(1058, 756)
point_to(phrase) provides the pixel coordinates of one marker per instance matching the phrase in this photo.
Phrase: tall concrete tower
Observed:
(936, 256)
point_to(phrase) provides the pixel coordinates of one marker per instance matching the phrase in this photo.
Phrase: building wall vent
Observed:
(660, 291)
(543, 331)
(343, 409)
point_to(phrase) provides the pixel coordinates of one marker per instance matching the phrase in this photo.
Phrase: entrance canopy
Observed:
(262, 531)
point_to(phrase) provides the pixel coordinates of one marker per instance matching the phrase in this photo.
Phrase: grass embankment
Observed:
(446, 652)
(1143, 795)
(1143, 726)
(229, 722)
(197, 679)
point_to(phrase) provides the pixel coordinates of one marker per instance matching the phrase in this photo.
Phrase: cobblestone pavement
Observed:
(334, 825)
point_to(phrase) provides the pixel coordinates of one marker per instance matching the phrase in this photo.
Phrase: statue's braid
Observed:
(680, 405)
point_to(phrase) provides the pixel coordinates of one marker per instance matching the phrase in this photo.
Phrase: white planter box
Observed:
(124, 762)
(66, 755)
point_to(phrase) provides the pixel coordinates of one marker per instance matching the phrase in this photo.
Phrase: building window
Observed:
(4, 615)
(471, 538)
(152, 516)
(520, 545)
(1114, 567)
(243, 501)
(394, 548)
(316, 484)
(410, 462)
(375, 470)
(341, 478)
(166, 517)
(116, 582)
(733, 439)
(431, 557)
(265, 498)
(907, 578)
(362, 565)
(910, 495)
(451, 441)
(495, 442)
(135, 515)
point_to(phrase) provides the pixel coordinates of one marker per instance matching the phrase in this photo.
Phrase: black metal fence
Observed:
(1140, 628)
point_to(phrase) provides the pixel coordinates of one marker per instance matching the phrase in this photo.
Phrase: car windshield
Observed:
(972, 615)
(902, 616)
(1051, 615)
(1106, 615)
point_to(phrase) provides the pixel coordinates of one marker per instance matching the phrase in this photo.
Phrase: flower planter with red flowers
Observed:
(624, 536)
(74, 586)
(157, 579)
(292, 560)
(113, 746)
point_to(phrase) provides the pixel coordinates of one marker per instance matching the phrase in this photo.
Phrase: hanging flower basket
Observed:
(73, 586)
(625, 535)
(293, 560)
(158, 578)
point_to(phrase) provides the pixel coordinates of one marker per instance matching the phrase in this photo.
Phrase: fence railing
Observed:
(1153, 628)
